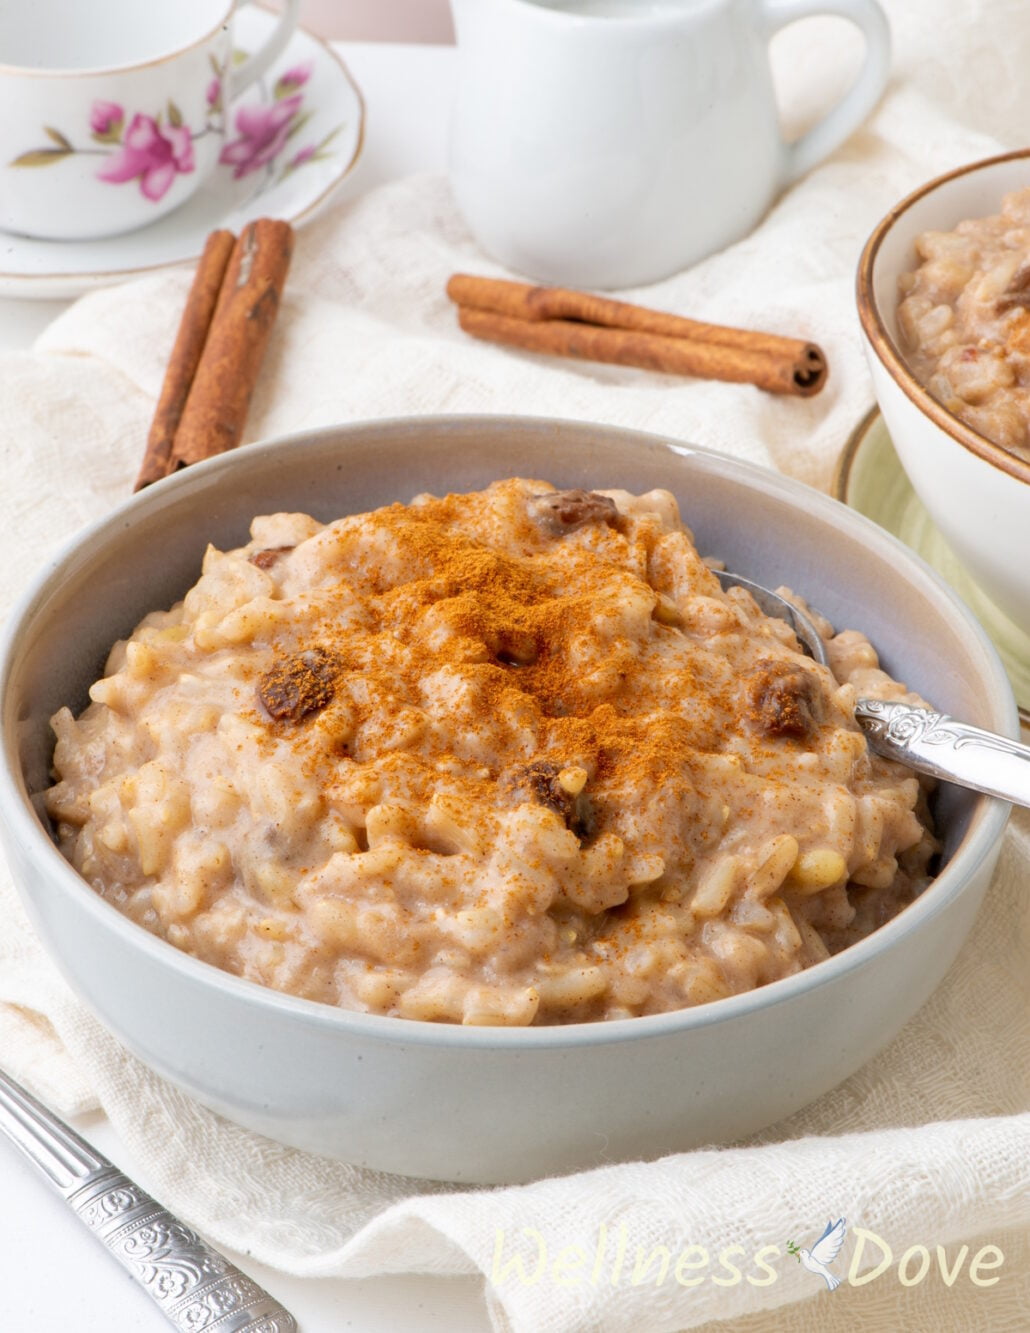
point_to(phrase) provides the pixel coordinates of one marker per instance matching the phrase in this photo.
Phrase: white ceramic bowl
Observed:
(977, 493)
(475, 1103)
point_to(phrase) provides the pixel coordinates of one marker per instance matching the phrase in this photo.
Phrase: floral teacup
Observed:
(113, 113)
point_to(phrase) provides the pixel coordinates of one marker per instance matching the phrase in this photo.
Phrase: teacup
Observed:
(609, 143)
(113, 113)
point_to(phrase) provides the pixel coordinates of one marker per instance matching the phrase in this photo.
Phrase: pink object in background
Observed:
(150, 154)
(261, 133)
(379, 20)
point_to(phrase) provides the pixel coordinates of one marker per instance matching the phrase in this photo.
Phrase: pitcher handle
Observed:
(243, 75)
(852, 109)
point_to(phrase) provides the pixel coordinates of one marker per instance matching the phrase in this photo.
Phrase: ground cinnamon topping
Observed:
(513, 627)
(452, 762)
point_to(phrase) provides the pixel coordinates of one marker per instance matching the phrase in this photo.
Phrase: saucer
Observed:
(322, 141)
(870, 478)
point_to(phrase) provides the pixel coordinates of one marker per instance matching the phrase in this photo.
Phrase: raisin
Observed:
(564, 511)
(298, 686)
(782, 698)
(1016, 294)
(266, 559)
(516, 648)
(538, 782)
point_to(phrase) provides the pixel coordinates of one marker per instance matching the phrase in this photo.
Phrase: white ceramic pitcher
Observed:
(609, 143)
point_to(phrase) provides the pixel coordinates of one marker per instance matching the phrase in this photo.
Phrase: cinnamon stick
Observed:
(627, 347)
(216, 409)
(185, 357)
(563, 322)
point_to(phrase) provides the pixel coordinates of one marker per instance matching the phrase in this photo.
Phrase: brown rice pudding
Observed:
(964, 320)
(508, 757)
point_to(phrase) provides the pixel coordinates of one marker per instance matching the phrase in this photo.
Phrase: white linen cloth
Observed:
(929, 1144)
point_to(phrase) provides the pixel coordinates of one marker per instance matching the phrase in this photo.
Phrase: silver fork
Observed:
(926, 741)
(194, 1286)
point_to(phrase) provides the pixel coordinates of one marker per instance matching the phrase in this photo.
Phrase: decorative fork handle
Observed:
(953, 751)
(195, 1287)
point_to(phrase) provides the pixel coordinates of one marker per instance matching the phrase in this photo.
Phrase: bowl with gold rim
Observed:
(955, 410)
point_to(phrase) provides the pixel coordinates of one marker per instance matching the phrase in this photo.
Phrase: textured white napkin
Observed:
(929, 1144)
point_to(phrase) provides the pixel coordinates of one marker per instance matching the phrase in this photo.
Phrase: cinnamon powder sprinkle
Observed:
(505, 757)
(514, 627)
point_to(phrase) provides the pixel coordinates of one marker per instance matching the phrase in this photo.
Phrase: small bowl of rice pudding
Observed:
(944, 302)
(413, 793)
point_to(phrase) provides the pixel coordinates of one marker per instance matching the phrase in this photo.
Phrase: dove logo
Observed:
(823, 1252)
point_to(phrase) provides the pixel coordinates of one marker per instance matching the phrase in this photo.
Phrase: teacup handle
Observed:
(853, 108)
(243, 75)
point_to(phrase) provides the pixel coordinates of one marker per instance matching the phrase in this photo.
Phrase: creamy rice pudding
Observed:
(964, 320)
(508, 757)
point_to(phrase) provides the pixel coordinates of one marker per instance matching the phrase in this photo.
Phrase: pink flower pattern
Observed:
(152, 154)
(263, 131)
(305, 155)
(106, 118)
(153, 151)
(293, 79)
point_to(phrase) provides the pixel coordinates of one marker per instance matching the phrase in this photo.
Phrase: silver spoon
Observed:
(928, 742)
(193, 1285)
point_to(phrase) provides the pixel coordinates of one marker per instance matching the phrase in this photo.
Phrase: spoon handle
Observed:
(194, 1286)
(953, 751)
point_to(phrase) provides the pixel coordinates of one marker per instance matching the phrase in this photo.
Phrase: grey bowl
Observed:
(482, 1104)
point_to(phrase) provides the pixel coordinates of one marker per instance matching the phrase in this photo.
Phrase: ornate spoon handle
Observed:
(195, 1287)
(953, 751)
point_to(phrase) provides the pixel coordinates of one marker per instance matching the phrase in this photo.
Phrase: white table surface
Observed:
(53, 1274)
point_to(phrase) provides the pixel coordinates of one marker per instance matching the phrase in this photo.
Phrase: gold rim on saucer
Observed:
(845, 462)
